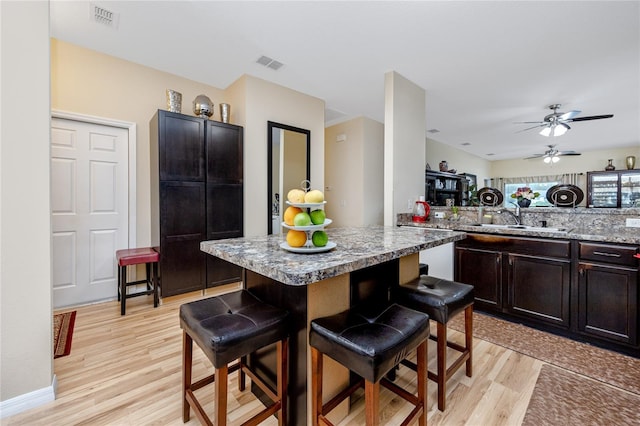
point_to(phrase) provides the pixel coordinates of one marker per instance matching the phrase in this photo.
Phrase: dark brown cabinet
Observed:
(524, 277)
(614, 189)
(608, 292)
(196, 195)
(483, 269)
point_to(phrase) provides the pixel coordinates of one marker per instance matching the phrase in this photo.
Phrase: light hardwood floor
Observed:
(126, 370)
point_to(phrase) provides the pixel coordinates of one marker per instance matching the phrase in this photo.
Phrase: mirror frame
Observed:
(270, 126)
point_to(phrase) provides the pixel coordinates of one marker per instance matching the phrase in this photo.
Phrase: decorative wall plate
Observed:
(490, 197)
(565, 195)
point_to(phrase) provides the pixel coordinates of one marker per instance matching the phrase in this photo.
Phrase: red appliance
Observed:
(421, 210)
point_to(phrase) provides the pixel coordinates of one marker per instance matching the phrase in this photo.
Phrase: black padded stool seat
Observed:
(441, 300)
(226, 328)
(370, 341)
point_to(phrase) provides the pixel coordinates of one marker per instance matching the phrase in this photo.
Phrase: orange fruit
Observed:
(290, 213)
(296, 238)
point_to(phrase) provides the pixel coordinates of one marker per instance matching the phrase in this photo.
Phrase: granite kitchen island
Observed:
(364, 264)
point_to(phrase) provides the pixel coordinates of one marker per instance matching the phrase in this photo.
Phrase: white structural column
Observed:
(404, 145)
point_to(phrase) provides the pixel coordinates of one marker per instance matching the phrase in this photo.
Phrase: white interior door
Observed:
(89, 209)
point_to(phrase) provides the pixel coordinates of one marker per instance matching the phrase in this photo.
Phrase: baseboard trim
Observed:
(29, 400)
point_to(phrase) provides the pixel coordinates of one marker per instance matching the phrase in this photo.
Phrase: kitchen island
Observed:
(364, 264)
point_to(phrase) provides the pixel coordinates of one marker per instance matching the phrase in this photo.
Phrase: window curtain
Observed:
(577, 179)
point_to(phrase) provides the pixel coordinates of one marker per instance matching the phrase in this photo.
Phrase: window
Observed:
(541, 187)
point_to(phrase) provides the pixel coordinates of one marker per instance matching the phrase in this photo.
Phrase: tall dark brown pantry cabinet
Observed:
(196, 195)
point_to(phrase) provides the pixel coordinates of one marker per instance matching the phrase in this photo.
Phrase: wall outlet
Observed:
(439, 215)
(633, 223)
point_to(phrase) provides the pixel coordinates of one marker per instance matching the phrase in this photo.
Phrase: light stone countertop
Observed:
(356, 248)
(607, 234)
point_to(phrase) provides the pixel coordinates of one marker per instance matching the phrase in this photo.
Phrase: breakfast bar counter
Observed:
(365, 263)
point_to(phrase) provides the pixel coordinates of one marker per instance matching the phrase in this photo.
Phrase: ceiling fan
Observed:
(556, 123)
(552, 155)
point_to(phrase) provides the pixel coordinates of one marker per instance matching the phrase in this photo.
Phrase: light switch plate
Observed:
(633, 223)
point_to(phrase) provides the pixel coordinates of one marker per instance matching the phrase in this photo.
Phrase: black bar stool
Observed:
(441, 300)
(228, 328)
(370, 341)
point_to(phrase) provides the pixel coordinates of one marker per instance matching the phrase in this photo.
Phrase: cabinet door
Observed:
(224, 153)
(482, 269)
(630, 189)
(182, 228)
(181, 150)
(608, 302)
(539, 288)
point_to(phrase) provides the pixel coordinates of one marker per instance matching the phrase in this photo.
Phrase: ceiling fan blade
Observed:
(534, 127)
(529, 122)
(535, 156)
(567, 153)
(591, 117)
(569, 115)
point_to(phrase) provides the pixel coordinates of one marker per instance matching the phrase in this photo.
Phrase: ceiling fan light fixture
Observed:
(555, 159)
(546, 131)
(560, 129)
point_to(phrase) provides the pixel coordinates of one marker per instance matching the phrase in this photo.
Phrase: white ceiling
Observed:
(484, 65)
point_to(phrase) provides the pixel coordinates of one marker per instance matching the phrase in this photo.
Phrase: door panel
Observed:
(89, 209)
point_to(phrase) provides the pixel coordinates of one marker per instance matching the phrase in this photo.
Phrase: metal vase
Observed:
(631, 162)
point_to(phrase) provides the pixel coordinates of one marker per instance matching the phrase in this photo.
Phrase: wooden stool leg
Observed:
(442, 365)
(316, 386)
(372, 402)
(123, 289)
(421, 355)
(154, 277)
(283, 379)
(119, 280)
(468, 337)
(221, 396)
(241, 375)
(147, 271)
(187, 351)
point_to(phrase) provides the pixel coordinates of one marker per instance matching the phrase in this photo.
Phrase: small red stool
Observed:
(137, 256)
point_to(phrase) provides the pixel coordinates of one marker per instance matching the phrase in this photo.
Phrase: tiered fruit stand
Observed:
(308, 247)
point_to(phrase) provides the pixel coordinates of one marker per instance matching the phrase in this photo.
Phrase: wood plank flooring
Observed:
(126, 370)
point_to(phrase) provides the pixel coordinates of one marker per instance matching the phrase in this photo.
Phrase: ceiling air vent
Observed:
(103, 16)
(269, 62)
(433, 131)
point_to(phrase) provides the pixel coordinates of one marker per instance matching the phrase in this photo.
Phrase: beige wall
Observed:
(260, 101)
(588, 161)
(90, 83)
(461, 161)
(26, 359)
(354, 170)
(404, 146)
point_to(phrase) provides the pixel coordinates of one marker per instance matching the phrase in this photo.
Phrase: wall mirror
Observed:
(289, 162)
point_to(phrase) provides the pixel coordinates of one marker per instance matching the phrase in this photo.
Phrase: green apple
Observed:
(319, 238)
(302, 219)
(317, 217)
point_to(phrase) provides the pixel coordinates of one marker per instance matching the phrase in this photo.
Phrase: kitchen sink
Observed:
(522, 227)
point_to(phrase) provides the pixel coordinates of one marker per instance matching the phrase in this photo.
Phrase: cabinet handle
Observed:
(602, 253)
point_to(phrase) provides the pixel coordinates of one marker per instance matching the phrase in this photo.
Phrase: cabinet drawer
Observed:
(609, 253)
(521, 245)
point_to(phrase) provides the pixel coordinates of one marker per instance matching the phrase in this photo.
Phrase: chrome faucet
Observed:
(515, 215)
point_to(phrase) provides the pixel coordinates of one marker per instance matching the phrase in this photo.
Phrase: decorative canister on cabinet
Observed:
(225, 112)
(174, 101)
